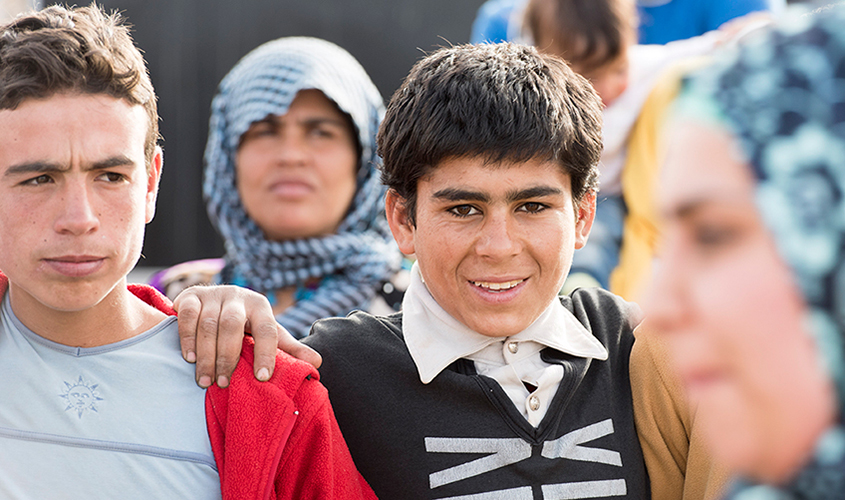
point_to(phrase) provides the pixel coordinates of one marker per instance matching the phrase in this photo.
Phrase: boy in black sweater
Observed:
(488, 385)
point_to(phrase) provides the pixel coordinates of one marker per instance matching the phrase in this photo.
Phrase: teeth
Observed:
(497, 287)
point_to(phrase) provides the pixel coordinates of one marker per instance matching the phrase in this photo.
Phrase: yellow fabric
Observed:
(646, 151)
(679, 467)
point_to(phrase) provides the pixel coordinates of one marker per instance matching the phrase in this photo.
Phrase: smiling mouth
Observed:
(497, 287)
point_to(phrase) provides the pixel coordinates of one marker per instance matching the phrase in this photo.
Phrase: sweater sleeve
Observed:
(679, 467)
(316, 463)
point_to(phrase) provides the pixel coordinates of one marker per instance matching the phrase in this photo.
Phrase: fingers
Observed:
(212, 321)
(188, 306)
(263, 326)
(229, 335)
(207, 326)
(297, 349)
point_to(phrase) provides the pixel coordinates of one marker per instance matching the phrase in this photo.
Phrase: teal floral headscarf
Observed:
(782, 94)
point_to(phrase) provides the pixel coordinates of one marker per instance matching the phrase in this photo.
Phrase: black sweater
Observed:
(461, 435)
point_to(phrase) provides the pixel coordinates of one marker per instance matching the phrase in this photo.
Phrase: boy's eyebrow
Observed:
(533, 192)
(114, 161)
(455, 194)
(36, 167)
(43, 167)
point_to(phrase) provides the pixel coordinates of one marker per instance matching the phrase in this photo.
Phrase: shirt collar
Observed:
(435, 339)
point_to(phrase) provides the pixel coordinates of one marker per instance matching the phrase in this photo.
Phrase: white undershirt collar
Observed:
(435, 339)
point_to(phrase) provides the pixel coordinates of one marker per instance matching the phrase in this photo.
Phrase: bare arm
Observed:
(212, 322)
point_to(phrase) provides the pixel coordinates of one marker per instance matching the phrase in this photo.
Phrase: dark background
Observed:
(191, 44)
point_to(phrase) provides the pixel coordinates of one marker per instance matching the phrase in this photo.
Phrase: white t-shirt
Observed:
(124, 420)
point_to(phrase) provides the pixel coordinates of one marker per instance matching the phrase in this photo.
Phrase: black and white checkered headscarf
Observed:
(362, 254)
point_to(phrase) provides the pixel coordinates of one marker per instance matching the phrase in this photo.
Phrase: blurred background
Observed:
(191, 44)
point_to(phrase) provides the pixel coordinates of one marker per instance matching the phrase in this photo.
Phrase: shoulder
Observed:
(290, 377)
(152, 297)
(598, 307)
(360, 345)
(357, 328)
(290, 374)
(610, 318)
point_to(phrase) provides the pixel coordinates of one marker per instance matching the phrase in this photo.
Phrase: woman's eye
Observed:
(322, 133)
(711, 237)
(259, 129)
(464, 210)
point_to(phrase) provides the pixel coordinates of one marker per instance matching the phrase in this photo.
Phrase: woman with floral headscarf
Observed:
(291, 183)
(750, 288)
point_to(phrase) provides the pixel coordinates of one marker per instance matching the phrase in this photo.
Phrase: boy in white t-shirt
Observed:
(97, 399)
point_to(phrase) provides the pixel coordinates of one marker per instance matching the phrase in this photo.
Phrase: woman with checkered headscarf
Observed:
(292, 185)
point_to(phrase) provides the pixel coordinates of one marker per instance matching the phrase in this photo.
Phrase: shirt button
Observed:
(513, 347)
(534, 403)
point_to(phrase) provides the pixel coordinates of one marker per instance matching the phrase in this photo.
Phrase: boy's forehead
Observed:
(493, 174)
(66, 125)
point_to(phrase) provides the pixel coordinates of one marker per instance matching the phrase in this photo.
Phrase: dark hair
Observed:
(499, 102)
(78, 49)
(587, 33)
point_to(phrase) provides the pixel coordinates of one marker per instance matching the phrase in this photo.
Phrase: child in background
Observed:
(661, 21)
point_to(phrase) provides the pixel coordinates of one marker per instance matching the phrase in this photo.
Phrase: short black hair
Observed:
(495, 101)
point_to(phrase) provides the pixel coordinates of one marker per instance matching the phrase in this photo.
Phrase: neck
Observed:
(119, 316)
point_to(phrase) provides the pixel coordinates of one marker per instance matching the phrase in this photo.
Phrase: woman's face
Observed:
(731, 314)
(296, 173)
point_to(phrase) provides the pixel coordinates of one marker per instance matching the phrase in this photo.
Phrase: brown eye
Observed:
(37, 181)
(533, 207)
(463, 210)
(113, 176)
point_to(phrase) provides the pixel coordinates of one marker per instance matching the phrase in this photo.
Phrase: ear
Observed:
(584, 218)
(153, 176)
(399, 221)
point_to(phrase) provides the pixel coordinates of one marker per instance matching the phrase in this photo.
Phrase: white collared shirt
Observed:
(435, 340)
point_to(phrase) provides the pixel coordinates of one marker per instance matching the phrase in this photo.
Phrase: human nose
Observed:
(77, 214)
(499, 237)
(291, 149)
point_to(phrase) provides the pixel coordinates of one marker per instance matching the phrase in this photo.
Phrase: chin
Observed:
(490, 327)
(738, 444)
